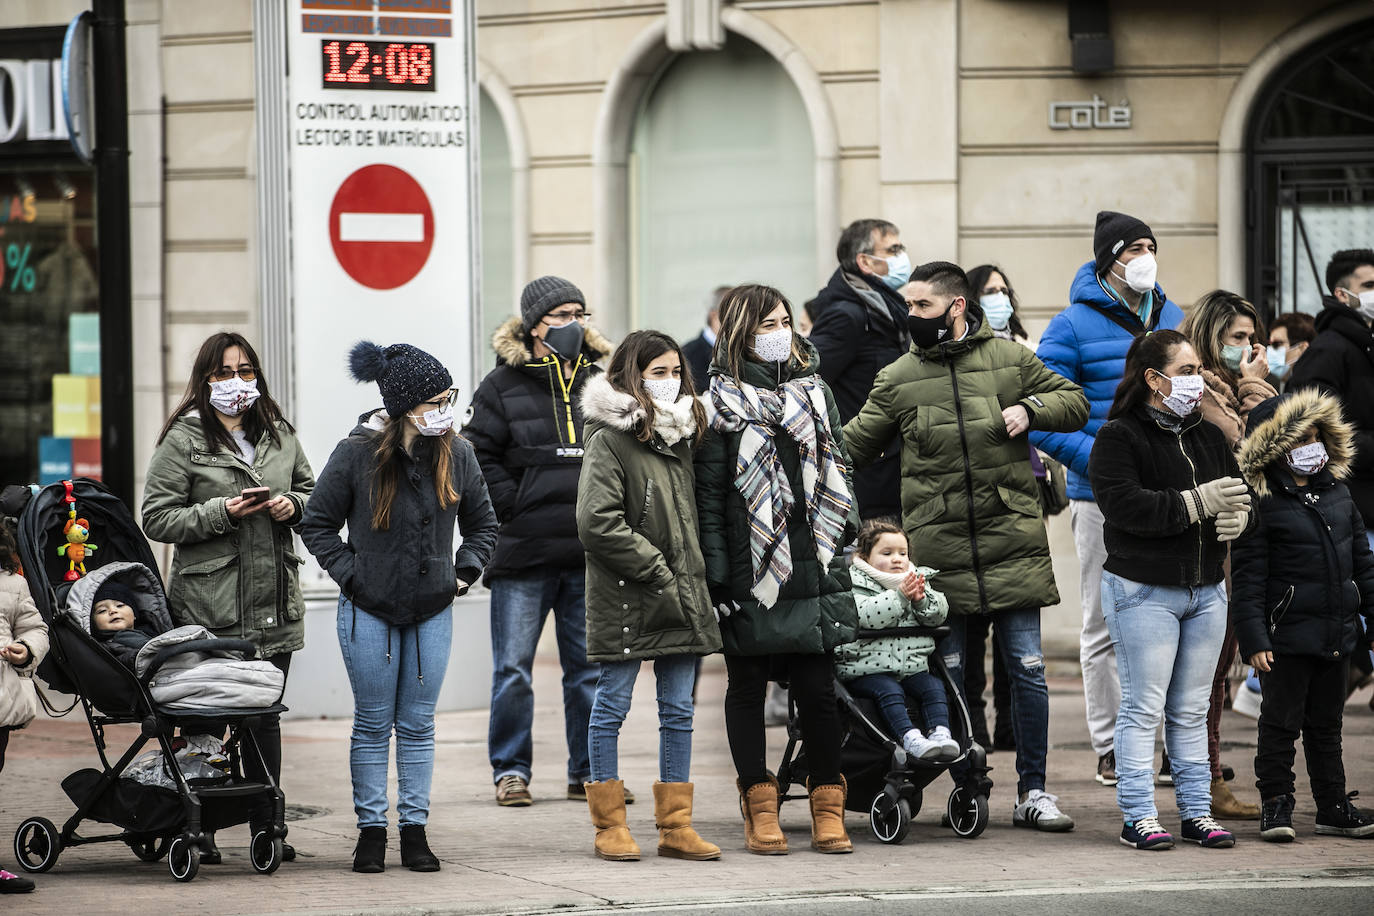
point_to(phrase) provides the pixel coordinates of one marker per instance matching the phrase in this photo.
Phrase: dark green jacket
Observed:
(637, 519)
(815, 609)
(236, 578)
(969, 502)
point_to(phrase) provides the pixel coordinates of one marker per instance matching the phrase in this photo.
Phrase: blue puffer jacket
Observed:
(1088, 348)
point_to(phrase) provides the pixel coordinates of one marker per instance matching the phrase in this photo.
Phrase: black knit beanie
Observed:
(110, 589)
(1113, 233)
(406, 375)
(543, 296)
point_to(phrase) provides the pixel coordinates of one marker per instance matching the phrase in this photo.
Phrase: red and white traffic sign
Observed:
(381, 226)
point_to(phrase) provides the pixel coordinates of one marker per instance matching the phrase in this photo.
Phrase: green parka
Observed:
(884, 608)
(815, 610)
(238, 578)
(969, 501)
(637, 519)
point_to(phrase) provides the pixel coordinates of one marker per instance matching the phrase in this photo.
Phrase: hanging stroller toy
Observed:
(77, 530)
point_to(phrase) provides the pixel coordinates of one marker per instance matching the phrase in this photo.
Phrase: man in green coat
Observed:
(962, 401)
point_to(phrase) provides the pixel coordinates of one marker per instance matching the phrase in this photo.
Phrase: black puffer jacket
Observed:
(1304, 574)
(860, 328)
(525, 424)
(1138, 469)
(1341, 362)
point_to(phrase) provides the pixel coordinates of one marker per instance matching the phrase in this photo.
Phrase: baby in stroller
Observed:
(889, 592)
(115, 622)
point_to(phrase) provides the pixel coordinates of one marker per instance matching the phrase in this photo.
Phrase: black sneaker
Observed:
(1207, 833)
(11, 883)
(1165, 776)
(1146, 833)
(1276, 819)
(1344, 820)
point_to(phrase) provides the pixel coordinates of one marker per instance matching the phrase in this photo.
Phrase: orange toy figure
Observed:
(77, 531)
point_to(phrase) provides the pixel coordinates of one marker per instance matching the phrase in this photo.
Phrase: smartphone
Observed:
(255, 494)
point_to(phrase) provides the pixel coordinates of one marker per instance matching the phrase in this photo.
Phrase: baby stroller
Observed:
(884, 780)
(153, 821)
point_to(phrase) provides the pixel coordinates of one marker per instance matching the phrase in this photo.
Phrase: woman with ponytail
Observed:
(399, 482)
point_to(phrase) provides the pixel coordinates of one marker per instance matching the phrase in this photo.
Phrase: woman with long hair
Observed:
(227, 483)
(1172, 499)
(646, 580)
(776, 508)
(399, 482)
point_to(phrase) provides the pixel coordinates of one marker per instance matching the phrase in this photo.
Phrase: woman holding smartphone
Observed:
(227, 482)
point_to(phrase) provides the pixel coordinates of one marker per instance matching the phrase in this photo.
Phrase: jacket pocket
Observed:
(1016, 501)
(660, 609)
(207, 593)
(1280, 609)
(291, 571)
(930, 510)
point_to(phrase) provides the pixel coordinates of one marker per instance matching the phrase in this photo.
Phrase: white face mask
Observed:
(1185, 394)
(1140, 273)
(997, 308)
(1366, 300)
(663, 389)
(775, 346)
(233, 396)
(437, 422)
(1308, 459)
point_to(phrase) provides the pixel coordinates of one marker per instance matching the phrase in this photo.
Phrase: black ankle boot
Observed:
(210, 854)
(369, 856)
(415, 853)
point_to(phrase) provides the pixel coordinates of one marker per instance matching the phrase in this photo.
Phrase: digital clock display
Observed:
(378, 65)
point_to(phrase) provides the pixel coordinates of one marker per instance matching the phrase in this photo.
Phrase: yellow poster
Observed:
(71, 406)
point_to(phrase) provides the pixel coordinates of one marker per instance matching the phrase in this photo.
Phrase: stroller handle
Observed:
(198, 645)
(932, 632)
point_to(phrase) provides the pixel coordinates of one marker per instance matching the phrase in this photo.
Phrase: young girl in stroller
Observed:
(890, 592)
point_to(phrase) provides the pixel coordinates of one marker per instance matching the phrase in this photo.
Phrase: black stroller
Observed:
(884, 780)
(154, 821)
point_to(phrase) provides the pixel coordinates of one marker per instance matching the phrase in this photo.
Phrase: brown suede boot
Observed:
(673, 815)
(606, 802)
(827, 817)
(1226, 806)
(759, 805)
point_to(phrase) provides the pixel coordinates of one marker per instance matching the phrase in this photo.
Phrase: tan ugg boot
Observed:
(1226, 806)
(606, 802)
(827, 817)
(759, 805)
(673, 815)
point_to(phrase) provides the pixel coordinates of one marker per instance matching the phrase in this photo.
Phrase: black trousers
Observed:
(1302, 694)
(976, 684)
(267, 734)
(812, 682)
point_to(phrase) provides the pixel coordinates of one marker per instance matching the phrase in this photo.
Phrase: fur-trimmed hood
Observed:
(1278, 424)
(603, 403)
(511, 349)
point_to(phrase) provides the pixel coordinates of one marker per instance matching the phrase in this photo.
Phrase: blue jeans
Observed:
(1167, 642)
(676, 675)
(890, 694)
(395, 673)
(519, 605)
(1019, 643)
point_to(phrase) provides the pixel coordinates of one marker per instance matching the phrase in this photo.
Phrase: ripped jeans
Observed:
(1019, 641)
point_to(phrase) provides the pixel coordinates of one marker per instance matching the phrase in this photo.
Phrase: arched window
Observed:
(1311, 170)
(497, 203)
(722, 187)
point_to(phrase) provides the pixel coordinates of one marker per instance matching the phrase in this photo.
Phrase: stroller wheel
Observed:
(265, 852)
(968, 812)
(37, 844)
(149, 850)
(890, 818)
(183, 859)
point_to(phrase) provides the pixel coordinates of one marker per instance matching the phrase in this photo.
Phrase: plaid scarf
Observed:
(798, 409)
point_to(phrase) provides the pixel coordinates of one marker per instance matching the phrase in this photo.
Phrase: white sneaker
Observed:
(1040, 812)
(918, 745)
(949, 748)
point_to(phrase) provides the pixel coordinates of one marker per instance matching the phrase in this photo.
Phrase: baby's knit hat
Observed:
(407, 375)
(110, 589)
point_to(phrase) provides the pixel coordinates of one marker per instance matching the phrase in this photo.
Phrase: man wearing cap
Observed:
(526, 425)
(1113, 299)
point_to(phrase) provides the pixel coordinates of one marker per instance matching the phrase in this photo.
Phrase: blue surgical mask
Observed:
(898, 270)
(997, 308)
(1278, 361)
(1232, 355)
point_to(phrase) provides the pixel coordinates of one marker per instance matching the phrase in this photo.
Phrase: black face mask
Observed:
(928, 332)
(566, 341)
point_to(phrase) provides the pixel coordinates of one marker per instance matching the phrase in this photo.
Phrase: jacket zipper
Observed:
(1192, 469)
(1280, 609)
(565, 385)
(968, 487)
(1332, 541)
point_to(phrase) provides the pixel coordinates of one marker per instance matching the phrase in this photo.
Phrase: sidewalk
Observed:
(539, 859)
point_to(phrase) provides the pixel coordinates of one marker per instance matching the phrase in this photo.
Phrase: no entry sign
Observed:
(381, 226)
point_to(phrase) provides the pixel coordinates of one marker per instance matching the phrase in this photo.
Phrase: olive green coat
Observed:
(815, 610)
(637, 519)
(237, 578)
(969, 501)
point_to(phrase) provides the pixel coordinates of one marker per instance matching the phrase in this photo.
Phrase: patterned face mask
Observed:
(1308, 459)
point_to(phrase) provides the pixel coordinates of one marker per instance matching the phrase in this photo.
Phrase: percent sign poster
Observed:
(382, 209)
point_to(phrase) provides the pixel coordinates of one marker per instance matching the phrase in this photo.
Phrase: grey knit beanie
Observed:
(1114, 231)
(406, 375)
(543, 296)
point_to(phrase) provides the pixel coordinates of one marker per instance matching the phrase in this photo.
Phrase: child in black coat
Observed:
(1301, 578)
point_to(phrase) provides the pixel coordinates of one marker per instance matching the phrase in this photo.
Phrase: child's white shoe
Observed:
(949, 748)
(919, 746)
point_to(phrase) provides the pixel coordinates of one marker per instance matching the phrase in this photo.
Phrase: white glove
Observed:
(1230, 524)
(1214, 496)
